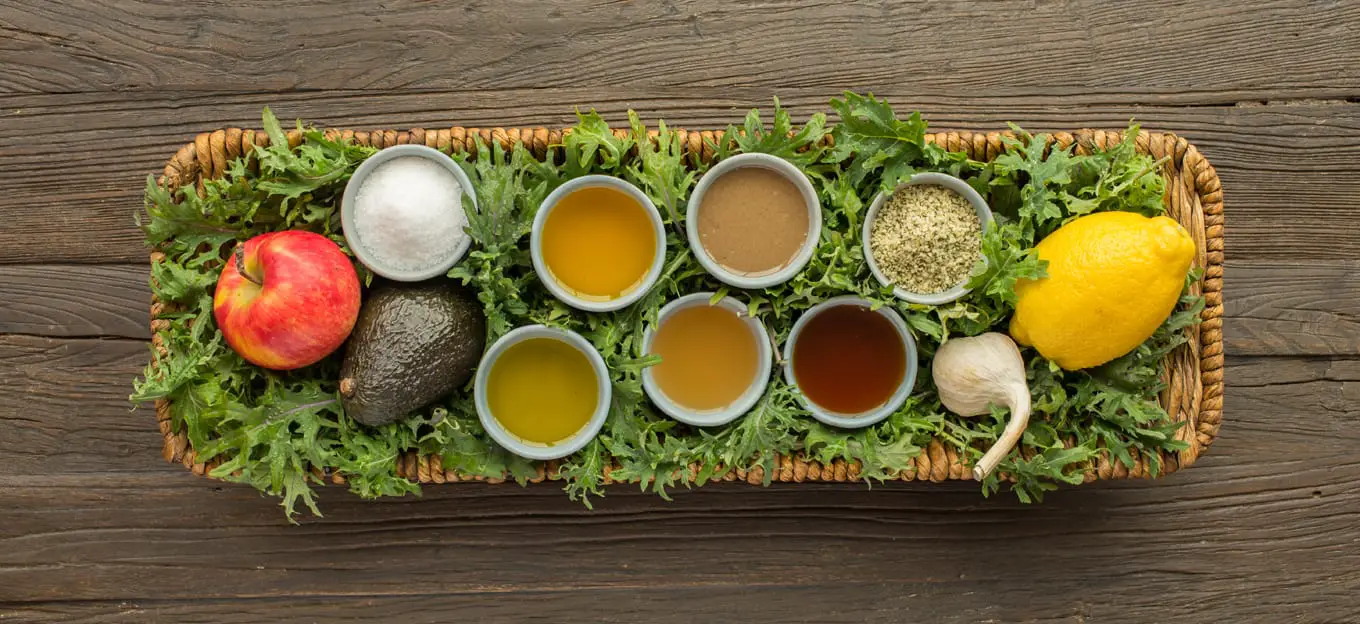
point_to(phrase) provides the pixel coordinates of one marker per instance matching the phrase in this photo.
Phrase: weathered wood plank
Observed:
(64, 406)
(1274, 307)
(1191, 599)
(980, 47)
(73, 300)
(1185, 546)
(747, 602)
(1308, 308)
(1276, 399)
(78, 163)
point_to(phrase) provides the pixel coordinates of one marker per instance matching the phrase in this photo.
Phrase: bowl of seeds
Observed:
(925, 237)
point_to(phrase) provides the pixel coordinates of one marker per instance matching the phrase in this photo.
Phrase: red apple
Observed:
(286, 299)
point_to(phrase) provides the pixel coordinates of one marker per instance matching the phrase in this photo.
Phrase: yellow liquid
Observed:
(709, 357)
(542, 390)
(598, 243)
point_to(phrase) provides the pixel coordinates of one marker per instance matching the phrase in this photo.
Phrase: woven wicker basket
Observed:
(1194, 372)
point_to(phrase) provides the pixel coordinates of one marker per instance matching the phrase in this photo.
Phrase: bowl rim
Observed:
(510, 441)
(355, 242)
(953, 183)
(544, 273)
(792, 173)
(748, 398)
(882, 411)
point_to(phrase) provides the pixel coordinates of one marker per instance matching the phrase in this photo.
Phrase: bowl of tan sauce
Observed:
(754, 220)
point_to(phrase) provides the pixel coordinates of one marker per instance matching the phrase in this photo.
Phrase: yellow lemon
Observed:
(1113, 278)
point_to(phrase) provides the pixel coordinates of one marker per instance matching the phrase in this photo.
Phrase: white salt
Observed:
(409, 214)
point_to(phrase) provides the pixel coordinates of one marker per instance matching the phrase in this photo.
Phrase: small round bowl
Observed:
(790, 172)
(355, 242)
(532, 450)
(852, 421)
(984, 215)
(743, 403)
(545, 275)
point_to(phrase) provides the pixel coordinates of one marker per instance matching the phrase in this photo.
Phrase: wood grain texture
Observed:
(958, 601)
(1293, 308)
(1287, 49)
(1273, 307)
(1190, 546)
(857, 602)
(64, 406)
(91, 301)
(80, 161)
(936, 572)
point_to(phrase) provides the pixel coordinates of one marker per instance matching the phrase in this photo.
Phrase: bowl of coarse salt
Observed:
(404, 215)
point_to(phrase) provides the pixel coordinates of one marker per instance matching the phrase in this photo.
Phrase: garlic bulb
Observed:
(972, 374)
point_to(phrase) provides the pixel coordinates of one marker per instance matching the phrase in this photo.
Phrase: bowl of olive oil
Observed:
(542, 392)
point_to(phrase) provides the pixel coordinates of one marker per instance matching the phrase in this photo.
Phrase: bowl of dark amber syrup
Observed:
(852, 363)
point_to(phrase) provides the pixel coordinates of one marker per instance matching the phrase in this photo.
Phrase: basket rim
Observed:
(1194, 372)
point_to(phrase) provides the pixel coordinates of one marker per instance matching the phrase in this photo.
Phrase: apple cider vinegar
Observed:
(709, 357)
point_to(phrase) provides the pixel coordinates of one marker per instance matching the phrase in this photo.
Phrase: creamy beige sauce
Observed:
(752, 221)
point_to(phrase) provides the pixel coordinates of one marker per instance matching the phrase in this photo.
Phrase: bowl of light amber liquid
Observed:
(852, 364)
(715, 360)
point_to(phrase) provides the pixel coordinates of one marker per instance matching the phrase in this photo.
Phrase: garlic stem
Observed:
(1019, 408)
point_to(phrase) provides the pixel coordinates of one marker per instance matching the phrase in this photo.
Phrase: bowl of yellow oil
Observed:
(542, 392)
(597, 243)
(715, 360)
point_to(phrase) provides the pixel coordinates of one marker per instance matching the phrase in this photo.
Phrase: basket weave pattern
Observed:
(1194, 372)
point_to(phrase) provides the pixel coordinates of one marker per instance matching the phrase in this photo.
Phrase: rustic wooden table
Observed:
(95, 526)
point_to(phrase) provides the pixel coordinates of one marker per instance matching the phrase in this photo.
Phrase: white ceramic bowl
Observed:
(984, 215)
(743, 403)
(532, 450)
(790, 172)
(864, 419)
(545, 275)
(356, 243)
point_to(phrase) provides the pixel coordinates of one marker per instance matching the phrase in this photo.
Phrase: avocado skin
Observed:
(411, 345)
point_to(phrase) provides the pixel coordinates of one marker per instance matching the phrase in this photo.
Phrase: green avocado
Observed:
(412, 344)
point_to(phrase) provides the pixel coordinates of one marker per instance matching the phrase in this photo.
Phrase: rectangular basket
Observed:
(1193, 373)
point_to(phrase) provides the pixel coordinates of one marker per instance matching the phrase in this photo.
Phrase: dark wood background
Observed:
(94, 526)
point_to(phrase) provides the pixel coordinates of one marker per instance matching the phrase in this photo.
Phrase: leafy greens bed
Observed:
(282, 432)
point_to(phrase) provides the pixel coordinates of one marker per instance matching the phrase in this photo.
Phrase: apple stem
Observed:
(239, 257)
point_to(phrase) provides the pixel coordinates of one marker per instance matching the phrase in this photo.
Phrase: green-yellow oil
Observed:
(542, 390)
